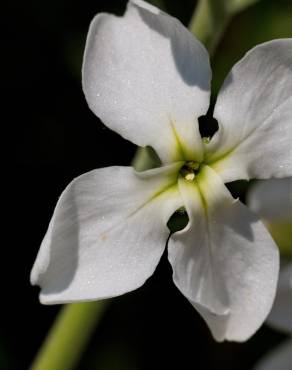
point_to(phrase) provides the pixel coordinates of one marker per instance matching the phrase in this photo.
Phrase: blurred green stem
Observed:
(69, 335)
(211, 18)
(209, 21)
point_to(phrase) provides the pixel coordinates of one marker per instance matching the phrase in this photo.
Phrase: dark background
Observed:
(49, 136)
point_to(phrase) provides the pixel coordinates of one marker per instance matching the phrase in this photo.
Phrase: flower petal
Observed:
(272, 199)
(281, 314)
(224, 262)
(279, 358)
(148, 78)
(107, 234)
(254, 112)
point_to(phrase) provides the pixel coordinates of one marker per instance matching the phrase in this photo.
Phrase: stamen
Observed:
(189, 170)
(190, 176)
(193, 165)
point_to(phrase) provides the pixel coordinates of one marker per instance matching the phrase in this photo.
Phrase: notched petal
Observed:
(125, 86)
(225, 261)
(107, 234)
(254, 112)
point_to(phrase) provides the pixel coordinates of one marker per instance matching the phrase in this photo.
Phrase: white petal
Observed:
(148, 78)
(107, 234)
(281, 314)
(278, 359)
(254, 112)
(224, 262)
(272, 199)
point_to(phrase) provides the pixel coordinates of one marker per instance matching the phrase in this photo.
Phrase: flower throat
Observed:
(189, 170)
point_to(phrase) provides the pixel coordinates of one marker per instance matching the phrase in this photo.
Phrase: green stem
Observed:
(69, 336)
(211, 18)
(209, 21)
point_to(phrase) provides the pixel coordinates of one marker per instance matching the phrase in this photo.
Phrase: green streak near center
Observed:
(179, 144)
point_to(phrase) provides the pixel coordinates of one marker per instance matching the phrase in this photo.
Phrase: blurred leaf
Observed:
(159, 3)
(236, 6)
(282, 234)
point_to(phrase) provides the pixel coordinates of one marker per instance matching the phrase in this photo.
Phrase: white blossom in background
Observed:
(148, 79)
(272, 200)
(280, 318)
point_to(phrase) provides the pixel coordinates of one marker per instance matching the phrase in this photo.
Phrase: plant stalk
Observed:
(69, 335)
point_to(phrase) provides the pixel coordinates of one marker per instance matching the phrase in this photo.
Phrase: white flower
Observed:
(281, 319)
(148, 79)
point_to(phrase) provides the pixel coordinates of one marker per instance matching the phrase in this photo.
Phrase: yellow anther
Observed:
(189, 170)
(190, 176)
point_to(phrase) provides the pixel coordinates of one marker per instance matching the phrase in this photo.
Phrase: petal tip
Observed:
(142, 4)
